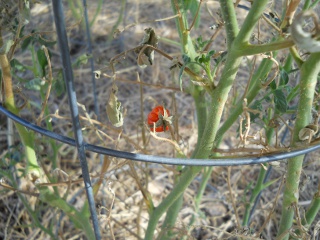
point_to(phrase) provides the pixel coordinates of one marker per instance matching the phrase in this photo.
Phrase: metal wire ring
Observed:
(160, 159)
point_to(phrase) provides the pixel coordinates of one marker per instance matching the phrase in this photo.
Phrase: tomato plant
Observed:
(160, 117)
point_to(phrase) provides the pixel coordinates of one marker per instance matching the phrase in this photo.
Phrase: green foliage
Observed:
(257, 105)
(35, 39)
(34, 84)
(59, 85)
(211, 79)
(193, 5)
(280, 101)
(199, 43)
(81, 60)
(42, 61)
(205, 58)
(18, 66)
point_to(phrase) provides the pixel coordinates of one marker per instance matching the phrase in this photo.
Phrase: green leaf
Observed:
(186, 59)
(273, 85)
(26, 42)
(58, 86)
(81, 60)
(210, 53)
(288, 88)
(267, 184)
(202, 59)
(256, 106)
(284, 77)
(46, 42)
(200, 43)
(42, 60)
(280, 101)
(34, 84)
(15, 64)
(267, 99)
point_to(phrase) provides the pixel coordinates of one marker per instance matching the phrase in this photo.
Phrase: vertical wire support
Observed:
(68, 78)
(89, 51)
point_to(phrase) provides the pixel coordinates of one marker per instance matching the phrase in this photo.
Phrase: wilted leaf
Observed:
(114, 109)
(147, 56)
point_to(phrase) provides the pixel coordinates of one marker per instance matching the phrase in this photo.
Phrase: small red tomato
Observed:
(161, 119)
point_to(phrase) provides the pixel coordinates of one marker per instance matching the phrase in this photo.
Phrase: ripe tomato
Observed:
(161, 119)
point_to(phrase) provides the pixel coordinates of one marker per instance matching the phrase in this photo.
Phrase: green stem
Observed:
(186, 178)
(260, 185)
(34, 216)
(314, 4)
(219, 97)
(197, 200)
(249, 23)
(182, 26)
(255, 87)
(230, 18)
(80, 219)
(251, 49)
(199, 96)
(76, 10)
(171, 216)
(312, 211)
(172, 213)
(97, 12)
(201, 110)
(119, 20)
(295, 55)
(218, 100)
(27, 138)
(308, 80)
(254, 194)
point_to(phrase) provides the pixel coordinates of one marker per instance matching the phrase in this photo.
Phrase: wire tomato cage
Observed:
(234, 161)
(82, 146)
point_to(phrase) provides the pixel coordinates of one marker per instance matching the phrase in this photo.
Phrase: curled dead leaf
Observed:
(304, 39)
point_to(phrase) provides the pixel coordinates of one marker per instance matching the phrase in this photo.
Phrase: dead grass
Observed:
(123, 212)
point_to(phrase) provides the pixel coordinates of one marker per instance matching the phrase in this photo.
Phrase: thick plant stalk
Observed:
(308, 80)
(218, 100)
(32, 168)
(219, 96)
(198, 94)
(171, 216)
